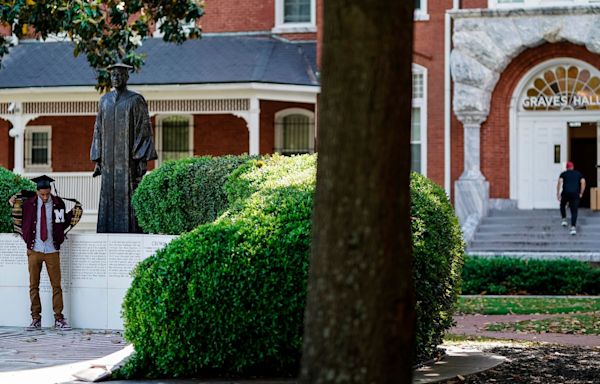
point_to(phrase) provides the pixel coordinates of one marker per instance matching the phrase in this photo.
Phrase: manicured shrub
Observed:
(438, 252)
(228, 298)
(506, 275)
(180, 195)
(10, 184)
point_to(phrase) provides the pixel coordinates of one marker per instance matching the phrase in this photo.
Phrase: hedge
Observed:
(10, 184)
(506, 275)
(438, 254)
(181, 195)
(228, 297)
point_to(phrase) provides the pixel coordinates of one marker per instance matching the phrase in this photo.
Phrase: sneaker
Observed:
(564, 222)
(573, 231)
(36, 325)
(61, 324)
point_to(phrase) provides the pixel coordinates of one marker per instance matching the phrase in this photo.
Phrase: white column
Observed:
(472, 152)
(472, 190)
(19, 122)
(254, 126)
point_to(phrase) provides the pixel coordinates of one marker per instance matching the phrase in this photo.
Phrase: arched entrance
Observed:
(553, 119)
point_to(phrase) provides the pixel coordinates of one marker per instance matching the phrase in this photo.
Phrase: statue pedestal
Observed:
(95, 270)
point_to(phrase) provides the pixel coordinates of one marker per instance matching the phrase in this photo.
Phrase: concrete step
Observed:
(536, 231)
(539, 213)
(541, 236)
(503, 246)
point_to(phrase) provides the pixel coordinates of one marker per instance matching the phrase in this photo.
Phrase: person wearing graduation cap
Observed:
(43, 229)
(121, 147)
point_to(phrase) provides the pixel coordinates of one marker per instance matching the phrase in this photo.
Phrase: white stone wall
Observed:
(95, 276)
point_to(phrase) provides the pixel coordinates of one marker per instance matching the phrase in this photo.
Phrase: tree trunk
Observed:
(359, 325)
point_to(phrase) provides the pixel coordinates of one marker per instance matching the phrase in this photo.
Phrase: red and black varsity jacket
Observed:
(60, 220)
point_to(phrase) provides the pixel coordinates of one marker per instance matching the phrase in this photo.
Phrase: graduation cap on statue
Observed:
(119, 66)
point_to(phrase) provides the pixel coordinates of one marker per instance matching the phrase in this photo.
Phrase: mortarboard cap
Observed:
(43, 182)
(119, 65)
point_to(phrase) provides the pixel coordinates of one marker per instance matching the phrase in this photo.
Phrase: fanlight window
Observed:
(562, 88)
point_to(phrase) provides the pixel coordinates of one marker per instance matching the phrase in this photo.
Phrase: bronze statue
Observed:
(121, 147)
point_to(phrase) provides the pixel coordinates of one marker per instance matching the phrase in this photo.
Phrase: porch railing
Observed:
(78, 185)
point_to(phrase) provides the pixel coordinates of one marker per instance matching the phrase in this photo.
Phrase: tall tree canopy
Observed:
(104, 31)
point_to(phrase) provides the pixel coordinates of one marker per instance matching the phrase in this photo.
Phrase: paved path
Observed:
(50, 356)
(21, 349)
(473, 325)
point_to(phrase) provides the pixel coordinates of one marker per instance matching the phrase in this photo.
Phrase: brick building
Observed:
(504, 93)
(250, 85)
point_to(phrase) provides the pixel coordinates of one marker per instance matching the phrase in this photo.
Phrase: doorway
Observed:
(583, 152)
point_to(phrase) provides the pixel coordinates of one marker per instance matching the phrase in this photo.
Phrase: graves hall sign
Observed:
(561, 88)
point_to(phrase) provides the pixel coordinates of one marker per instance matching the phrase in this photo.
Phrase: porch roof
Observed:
(212, 59)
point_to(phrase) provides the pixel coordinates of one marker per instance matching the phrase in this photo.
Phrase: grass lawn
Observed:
(587, 324)
(468, 305)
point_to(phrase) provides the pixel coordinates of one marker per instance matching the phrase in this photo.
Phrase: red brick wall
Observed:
(236, 16)
(268, 109)
(428, 52)
(71, 139)
(319, 31)
(246, 16)
(6, 146)
(495, 160)
(471, 4)
(218, 135)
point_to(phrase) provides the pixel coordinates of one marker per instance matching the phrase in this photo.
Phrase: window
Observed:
(421, 10)
(38, 155)
(418, 128)
(562, 87)
(295, 16)
(174, 137)
(296, 11)
(294, 131)
(537, 3)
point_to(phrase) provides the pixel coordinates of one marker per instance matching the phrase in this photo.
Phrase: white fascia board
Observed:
(280, 92)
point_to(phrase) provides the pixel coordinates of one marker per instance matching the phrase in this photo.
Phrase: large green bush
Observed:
(506, 275)
(180, 195)
(228, 298)
(10, 184)
(438, 253)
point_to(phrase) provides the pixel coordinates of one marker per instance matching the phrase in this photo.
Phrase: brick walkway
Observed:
(473, 325)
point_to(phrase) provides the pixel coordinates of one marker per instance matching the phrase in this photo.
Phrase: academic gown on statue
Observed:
(122, 137)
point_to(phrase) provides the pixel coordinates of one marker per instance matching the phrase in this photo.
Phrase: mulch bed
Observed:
(539, 363)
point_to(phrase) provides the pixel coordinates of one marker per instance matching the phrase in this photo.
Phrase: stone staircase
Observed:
(536, 231)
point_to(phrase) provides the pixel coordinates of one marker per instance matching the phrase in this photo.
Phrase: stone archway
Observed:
(484, 43)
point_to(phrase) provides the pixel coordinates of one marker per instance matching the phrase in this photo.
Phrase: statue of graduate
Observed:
(121, 147)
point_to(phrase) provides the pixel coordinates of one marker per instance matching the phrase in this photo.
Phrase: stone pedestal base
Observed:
(96, 273)
(471, 198)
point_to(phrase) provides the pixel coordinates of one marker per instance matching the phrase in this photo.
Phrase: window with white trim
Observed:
(418, 128)
(174, 137)
(294, 131)
(295, 16)
(38, 148)
(421, 10)
(537, 3)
